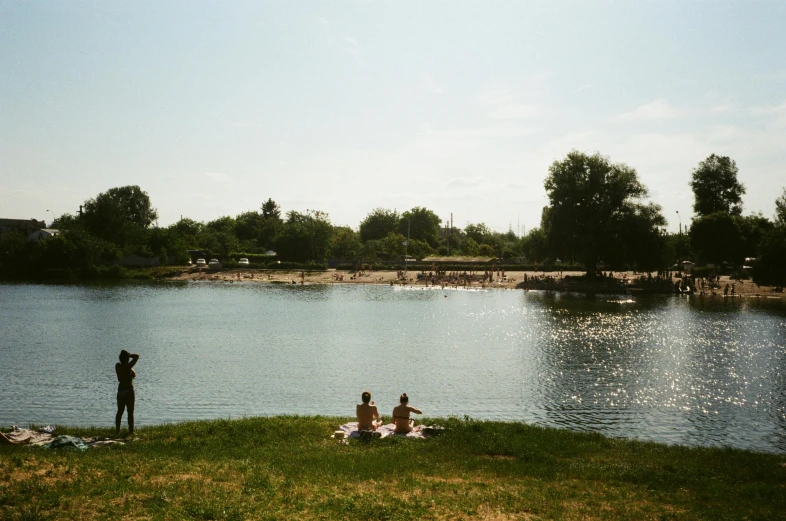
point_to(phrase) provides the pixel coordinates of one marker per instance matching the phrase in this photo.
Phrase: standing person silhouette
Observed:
(125, 389)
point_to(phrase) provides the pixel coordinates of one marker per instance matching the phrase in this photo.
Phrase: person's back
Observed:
(125, 389)
(401, 414)
(366, 413)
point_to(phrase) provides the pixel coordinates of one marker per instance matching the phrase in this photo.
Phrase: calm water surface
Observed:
(668, 369)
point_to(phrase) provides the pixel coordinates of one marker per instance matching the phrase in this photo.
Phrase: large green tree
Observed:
(270, 209)
(345, 244)
(480, 233)
(716, 238)
(780, 209)
(770, 268)
(305, 236)
(591, 203)
(715, 187)
(120, 216)
(420, 224)
(378, 224)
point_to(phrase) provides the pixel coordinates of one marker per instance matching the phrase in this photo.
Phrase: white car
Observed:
(200, 263)
(243, 261)
(214, 263)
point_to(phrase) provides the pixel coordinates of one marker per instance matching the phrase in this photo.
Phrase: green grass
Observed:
(289, 468)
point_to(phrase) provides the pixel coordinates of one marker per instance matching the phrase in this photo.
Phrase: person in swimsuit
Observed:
(401, 415)
(368, 416)
(125, 389)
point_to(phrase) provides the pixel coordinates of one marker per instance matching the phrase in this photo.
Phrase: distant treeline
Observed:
(597, 218)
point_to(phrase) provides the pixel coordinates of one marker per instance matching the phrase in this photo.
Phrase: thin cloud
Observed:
(583, 88)
(506, 104)
(431, 84)
(188, 196)
(466, 182)
(771, 76)
(779, 111)
(769, 109)
(722, 107)
(658, 110)
(351, 46)
(243, 124)
(218, 176)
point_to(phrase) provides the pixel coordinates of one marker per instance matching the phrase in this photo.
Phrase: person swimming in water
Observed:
(368, 416)
(401, 415)
(125, 389)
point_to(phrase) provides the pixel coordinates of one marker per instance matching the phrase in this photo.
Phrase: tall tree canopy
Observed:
(270, 209)
(480, 233)
(129, 203)
(120, 215)
(715, 187)
(421, 224)
(305, 236)
(378, 224)
(780, 209)
(591, 202)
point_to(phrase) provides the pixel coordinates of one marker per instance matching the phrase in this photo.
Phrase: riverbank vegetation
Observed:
(597, 218)
(289, 468)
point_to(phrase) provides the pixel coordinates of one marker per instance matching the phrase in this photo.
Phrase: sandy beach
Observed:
(510, 279)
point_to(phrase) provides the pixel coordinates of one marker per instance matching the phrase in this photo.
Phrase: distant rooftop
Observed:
(459, 259)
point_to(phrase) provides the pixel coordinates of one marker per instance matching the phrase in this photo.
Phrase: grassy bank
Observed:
(288, 468)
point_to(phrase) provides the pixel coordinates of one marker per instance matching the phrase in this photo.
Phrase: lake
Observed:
(687, 370)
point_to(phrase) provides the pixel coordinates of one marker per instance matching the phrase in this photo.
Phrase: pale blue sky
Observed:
(348, 106)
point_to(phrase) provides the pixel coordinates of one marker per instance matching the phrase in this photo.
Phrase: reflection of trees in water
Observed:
(599, 303)
(594, 356)
(720, 304)
(664, 368)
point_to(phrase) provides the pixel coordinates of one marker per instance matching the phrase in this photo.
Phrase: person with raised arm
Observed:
(125, 389)
(401, 415)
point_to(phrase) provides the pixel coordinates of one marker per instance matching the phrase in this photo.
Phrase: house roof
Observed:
(458, 259)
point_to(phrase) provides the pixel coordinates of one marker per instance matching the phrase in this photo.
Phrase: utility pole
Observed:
(447, 236)
(680, 218)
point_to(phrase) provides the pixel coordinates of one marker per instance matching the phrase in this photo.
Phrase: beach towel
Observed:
(46, 439)
(351, 431)
(28, 437)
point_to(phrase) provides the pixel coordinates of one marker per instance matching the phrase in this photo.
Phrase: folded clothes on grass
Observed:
(419, 431)
(66, 442)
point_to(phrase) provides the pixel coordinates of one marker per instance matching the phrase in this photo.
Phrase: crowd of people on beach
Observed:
(456, 278)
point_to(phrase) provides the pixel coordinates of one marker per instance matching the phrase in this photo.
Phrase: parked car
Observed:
(214, 264)
(200, 263)
(243, 261)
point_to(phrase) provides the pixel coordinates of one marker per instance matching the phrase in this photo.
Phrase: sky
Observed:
(344, 107)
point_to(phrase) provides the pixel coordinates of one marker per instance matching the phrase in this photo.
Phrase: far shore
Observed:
(501, 280)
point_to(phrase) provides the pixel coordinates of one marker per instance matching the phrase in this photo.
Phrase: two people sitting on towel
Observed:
(368, 416)
(401, 415)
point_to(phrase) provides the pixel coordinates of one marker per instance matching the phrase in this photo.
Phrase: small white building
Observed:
(43, 234)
